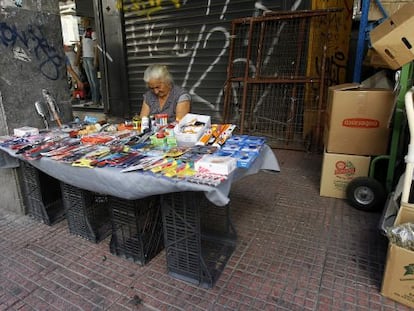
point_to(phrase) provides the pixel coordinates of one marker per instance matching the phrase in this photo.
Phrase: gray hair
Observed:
(158, 72)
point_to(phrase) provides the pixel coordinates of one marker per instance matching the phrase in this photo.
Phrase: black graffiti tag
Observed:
(35, 43)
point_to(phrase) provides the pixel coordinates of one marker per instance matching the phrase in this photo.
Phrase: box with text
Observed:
(358, 119)
(393, 39)
(338, 170)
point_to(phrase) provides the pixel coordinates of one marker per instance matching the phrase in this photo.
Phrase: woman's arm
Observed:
(145, 110)
(182, 109)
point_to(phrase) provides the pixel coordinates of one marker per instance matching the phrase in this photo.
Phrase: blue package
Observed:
(254, 140)
(245, 159)
(90, 120)
(252, 147)
(231, 147)
(237, 139)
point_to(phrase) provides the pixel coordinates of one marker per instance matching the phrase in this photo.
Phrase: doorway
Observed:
(80, 41)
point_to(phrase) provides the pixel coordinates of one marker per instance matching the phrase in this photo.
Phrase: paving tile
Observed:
(295, 251)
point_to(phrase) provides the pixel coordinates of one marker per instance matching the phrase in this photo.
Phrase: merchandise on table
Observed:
(224, 135)
(189, 130)
(25, 131)
(192, 150)
(216, 164)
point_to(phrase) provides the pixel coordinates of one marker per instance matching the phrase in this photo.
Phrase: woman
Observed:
(164, 97)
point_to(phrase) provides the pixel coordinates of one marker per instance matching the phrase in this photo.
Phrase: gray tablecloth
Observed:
(136, 185)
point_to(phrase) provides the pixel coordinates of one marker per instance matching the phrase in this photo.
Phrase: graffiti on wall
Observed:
(31, 45)
(146, 8)
(336, 24)
(189, 43)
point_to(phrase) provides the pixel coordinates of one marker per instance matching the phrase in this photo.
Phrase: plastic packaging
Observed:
(145, 124)
(402, 235)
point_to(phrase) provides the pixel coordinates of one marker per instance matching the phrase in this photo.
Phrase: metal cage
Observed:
(277, 77)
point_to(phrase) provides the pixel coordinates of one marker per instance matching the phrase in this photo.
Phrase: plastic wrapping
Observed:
(402, 235)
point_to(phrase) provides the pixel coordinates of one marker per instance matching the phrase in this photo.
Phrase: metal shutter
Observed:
(192, 39)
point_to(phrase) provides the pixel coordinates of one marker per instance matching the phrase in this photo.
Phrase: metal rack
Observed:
(363, 35)
(273, 88)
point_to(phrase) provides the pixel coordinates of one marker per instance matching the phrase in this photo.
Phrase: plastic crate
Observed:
(199, 237)
(136, 228)
(87, 213)
(42, 195)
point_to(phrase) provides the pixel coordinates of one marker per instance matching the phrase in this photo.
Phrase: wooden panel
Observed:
(334, 32)
(339, 33)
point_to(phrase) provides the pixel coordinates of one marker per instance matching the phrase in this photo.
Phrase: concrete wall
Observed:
(31, 59)
(9, 187)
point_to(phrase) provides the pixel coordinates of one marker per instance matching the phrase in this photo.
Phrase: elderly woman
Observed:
(164, 96)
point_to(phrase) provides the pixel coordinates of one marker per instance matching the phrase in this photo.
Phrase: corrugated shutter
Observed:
(192, 38)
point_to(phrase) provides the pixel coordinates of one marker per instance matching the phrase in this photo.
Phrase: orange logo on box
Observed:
(344, 168)
(360, 123)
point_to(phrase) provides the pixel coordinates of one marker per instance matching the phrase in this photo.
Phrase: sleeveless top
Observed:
(177, 94)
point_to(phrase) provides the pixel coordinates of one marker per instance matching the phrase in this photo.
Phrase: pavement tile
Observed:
(295, 251)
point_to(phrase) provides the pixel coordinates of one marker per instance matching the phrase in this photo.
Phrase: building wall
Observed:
(31, 59)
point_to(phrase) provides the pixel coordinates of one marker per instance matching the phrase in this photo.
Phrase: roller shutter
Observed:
(192, 38)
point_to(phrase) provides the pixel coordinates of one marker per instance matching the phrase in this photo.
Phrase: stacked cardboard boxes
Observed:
(393, 40)
(358, 127)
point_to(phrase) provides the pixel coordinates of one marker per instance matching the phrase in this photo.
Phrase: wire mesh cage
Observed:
(278, 77)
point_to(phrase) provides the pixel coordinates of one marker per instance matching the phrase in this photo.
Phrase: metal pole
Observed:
(361, 41)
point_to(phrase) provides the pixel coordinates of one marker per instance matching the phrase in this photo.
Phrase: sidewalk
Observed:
(295, 251)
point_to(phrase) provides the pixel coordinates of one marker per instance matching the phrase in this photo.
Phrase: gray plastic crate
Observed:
(87, 213)
(42, 195)
(199, 237)
(137, 232)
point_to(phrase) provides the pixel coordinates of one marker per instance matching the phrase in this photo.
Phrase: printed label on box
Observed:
(338, 170)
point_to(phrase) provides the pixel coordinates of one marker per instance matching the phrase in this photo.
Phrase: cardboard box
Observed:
(187, 138)
(374, 59)
(338, 170)
(25, 131)
(398, 279)
(393, 39)
(216, 164)
(390, 6)
(358, 119)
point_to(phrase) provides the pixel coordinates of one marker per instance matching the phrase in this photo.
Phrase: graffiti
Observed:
(167, 43)
(32, 40)
(335, 67)
(145, 8)
(212, 65)
(180, 47)
(186, 46)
